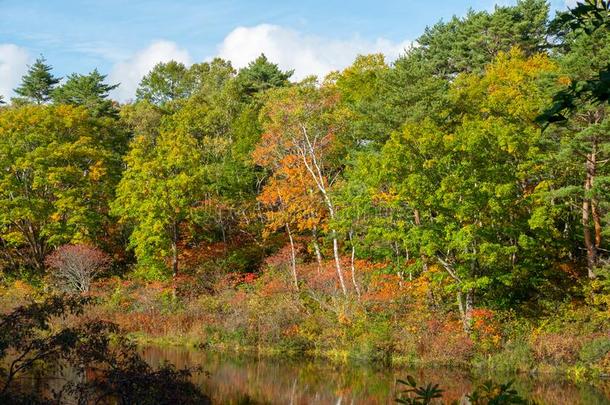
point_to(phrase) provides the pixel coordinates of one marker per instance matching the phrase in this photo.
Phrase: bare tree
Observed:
(75, 266)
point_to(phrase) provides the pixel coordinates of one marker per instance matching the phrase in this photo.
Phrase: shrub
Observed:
(29, 335)
(130, 380)
(374, 340)
(486, 330)
(595, 350)
(443, 341)
(557, 348)
(414, 395)
(515, 356)
(15, 294)
(75, 266)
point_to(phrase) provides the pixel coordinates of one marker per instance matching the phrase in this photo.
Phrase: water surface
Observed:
(250, 380)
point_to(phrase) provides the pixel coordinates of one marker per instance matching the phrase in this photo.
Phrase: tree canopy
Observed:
(473, 167)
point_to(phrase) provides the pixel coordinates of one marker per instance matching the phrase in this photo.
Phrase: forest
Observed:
(451, 207)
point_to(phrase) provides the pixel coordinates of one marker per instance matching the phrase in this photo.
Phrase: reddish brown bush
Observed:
(557, 348)
(443, 341)
(75, 266)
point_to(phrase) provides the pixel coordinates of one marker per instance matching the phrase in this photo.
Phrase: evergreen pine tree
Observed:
(89, 91)
(38, 83)
(261, 75)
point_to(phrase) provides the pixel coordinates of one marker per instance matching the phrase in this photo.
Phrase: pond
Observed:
(250, 380)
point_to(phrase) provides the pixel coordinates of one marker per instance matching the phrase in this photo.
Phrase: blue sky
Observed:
(126, 38)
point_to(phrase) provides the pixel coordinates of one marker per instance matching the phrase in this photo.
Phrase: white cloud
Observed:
(129, 72)
(13, 65)
(571, 3)
(307, 55)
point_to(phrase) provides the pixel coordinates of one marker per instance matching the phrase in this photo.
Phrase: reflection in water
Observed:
(247, 380)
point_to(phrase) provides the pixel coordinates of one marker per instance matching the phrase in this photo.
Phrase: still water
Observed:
(248, 380)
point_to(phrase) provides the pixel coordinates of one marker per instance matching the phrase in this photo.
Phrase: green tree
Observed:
(57, 171)
(160, 193)
(360, 86)
(577, 188)
(210, 115)
(89, 91)
(38, 83)
(466, 45)
(584, 23)
(261, 75)
(211, 77)
(165, 83)
(468, 184)
(371, 213)
(417, 87)
(142, 118)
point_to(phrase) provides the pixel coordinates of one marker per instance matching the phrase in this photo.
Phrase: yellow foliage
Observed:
(97, 171)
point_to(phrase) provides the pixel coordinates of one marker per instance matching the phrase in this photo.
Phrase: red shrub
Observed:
(443, 341)
(486, 329)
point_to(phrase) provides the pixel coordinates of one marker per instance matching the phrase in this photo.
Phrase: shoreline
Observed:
(572, 373)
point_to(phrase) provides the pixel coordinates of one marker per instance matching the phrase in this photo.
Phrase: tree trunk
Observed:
(417, 220)
(174, 260)
(331, 212)
(37, 245)
(597, 221)
(316, 248)
(590, 244)
(353, 267)
(174, 257)
(39, 255)
(338, 262)
(466, 308)
(221, 222)
(293, 259)
(469, 309)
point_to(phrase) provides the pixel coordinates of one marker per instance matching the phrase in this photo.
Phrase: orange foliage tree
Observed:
(298, 146)
(292, 203)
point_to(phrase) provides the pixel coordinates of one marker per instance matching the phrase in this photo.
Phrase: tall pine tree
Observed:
(38, 83)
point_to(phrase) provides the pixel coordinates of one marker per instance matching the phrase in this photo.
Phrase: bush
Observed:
(29, 336)
(557, 348)
(75, 266)
(131, 380)
(444, 342)
(514, 356)
(375, 342)
(595, 350)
